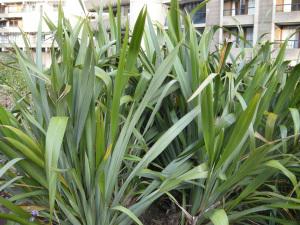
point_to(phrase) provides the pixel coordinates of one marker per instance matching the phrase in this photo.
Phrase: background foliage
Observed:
(10, 78)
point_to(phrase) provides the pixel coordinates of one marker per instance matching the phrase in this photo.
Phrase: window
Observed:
(15, 8)
(199, 16)
(2, 9)
(295, 5)
(239, 7)
(125, 10)
(55, 6)
(287, 5)
(30, 6)
(14, 23)
(288, 32)
(251, 7)
(248, 32)
(234, 35)
(2, 24)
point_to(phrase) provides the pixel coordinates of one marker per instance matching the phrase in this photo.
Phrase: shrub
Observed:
(242, 144)
(10, 79)
(110, 127)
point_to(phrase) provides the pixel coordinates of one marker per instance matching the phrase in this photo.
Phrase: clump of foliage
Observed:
(110, 127)
(11, 79)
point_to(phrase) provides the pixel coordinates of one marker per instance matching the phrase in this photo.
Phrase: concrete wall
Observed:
(235, 52)
(265, 19)
(287, 17)
(292, 55)
(214, 10)
(156, 10)
(240, 19)
(94, 4)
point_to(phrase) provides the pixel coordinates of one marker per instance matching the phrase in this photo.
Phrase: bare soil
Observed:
(162, 212)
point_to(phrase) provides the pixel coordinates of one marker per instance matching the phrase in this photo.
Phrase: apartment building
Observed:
(24, 15)
(130, 9)
(274, 20)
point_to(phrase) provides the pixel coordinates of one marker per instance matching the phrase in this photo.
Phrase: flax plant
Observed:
(246, 135)
(78, 132)
(112, 125)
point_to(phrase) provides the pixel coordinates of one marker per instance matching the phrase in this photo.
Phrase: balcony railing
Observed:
(288, 7)
(290, 43)
(198, 18)
(7, 39)
(15, 10)
(241, 43)
(239, 11)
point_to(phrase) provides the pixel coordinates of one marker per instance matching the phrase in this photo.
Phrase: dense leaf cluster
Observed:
(122, 118)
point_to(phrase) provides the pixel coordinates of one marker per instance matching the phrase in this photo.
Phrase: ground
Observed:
(162, 212)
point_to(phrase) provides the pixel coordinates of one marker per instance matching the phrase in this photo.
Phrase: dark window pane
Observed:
(200, 15)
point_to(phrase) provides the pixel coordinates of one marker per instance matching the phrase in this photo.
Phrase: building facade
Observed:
(274, 20)
(17, 16)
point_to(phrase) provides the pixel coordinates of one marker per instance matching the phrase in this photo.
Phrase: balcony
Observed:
(288, 7)
(287, 13)
(239, 38)
(7, 29)
(8, 39)
(238, 42)
(248, 43)
(10, 14)
(239, 11)
(291, 44)
(94, 4)
(292, 52)
(242, 16)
